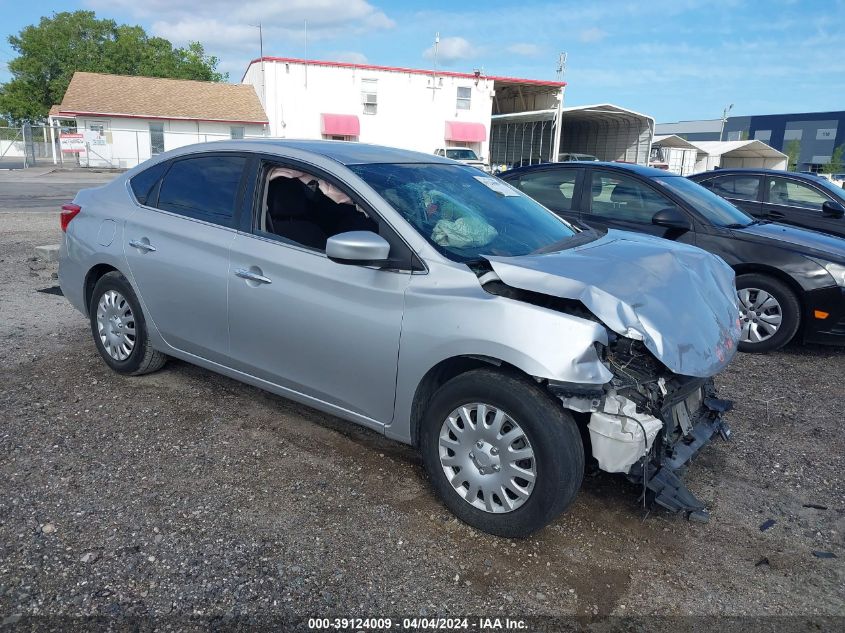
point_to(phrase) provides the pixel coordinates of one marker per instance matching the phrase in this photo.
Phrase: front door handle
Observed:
(777, 215)
(143, 245)
(251, 275)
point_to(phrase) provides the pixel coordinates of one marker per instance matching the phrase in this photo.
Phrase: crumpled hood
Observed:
(678, 299)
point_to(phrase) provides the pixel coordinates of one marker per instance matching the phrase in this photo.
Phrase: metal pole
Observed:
(52, 140)
(725, 120)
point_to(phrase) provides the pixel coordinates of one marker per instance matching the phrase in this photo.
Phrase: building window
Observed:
(156, 138)
(464, 98)
(369, 96)
(236, 131)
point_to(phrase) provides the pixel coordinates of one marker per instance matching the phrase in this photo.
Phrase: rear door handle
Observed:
(144, 246)
(776, 215)
(250, 275)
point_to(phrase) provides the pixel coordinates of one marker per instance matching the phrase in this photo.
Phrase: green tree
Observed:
(835, 166)
(793, 152)
(51, 51)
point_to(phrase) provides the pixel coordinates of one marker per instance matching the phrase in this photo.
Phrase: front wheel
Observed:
(769, 313)
(501, 453)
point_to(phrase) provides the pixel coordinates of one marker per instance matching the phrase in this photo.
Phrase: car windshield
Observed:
(465, 214)
(461, 154)
(716, 210)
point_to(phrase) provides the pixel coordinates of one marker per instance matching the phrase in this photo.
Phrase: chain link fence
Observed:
(97, 146)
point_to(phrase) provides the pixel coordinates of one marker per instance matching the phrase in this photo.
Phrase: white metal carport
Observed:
(673, 154)
(753, 153)
(606, 131)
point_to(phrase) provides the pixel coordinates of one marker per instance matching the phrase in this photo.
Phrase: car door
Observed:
(795, 202)
(741, 190)
(623, 201)
(559, 190)
(325, 331)
(177, 248)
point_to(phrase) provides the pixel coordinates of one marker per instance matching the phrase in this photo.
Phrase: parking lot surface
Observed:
(191, 498)
(44, 189)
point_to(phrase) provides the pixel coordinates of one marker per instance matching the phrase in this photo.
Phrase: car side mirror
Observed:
(833, 209)
(363, 248)
(671, 218)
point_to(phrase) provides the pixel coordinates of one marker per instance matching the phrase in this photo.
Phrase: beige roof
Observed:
(153, 97)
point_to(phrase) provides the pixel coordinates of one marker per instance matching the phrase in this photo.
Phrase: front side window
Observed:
(369, 95)
(621, 197)
(464, 214)
(553, 189)
(307, 210)
(464, 98)
(205, 188)
(738, 187)
(792, 193)
(156, 138)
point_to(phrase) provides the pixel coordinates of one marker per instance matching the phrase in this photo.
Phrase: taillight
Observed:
(69, 211)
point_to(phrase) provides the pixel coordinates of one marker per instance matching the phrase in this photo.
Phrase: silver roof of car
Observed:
(344, 152)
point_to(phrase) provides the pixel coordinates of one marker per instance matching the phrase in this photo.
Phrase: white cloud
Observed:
(230, 30)
(451, 50)
(591, 35)
(523, 48)
(353, 57)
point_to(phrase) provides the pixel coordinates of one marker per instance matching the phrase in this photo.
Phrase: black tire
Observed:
(142, 359)
(790, 311)
(551, 431)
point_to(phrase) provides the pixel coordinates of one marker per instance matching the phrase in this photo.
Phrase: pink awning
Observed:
(467, 132)
(340, 125)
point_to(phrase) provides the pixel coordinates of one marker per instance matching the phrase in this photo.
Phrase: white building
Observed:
(414, 109)
(119, 121)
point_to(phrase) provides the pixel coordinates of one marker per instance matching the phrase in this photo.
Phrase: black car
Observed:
(805, 200)
(789, 280)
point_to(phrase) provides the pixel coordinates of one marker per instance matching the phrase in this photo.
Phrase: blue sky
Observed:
(672, 59)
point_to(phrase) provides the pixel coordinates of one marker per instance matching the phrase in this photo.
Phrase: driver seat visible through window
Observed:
(308, 210)
(288, 216)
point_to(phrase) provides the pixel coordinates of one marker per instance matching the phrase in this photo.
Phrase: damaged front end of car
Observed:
(648, 423)
(672, 324)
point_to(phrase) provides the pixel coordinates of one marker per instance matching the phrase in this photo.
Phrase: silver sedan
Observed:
(419, 297)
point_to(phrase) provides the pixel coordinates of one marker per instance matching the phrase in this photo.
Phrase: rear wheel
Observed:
(769, 313)
(501, 453)
(119, 328)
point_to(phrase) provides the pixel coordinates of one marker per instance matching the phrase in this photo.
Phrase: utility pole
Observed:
(561, 72)
(434, 85)
(261, 54)
(306, 53)
(725, 112)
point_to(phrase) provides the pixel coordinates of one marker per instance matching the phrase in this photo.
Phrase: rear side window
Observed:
(144, 182)
(205, 188)
(738, 187)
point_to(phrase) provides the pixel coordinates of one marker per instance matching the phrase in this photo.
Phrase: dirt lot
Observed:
(192, 499)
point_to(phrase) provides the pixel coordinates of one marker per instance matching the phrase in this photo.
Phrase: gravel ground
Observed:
(193, 499)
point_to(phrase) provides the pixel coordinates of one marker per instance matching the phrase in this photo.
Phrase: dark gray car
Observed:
(804, 200)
